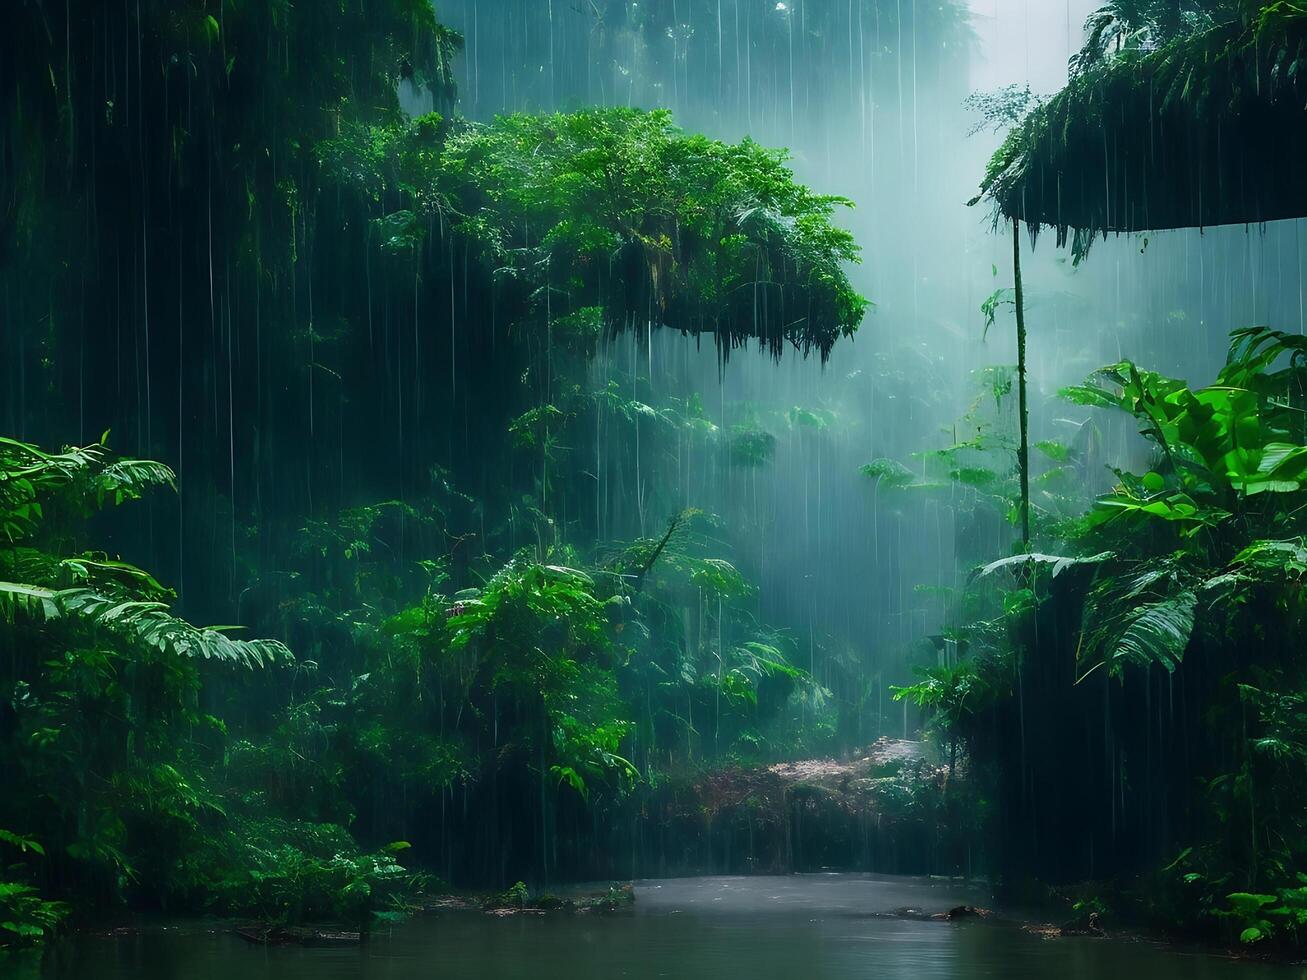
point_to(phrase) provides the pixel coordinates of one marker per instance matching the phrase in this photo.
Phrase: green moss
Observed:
(1206, 129)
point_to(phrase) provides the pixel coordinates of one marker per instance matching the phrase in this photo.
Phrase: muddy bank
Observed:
(892, 808)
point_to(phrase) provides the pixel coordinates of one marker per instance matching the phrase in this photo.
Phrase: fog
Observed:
(873, 111)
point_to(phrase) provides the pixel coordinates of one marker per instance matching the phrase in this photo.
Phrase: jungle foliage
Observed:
(540, 694)
(363, 340)
(296, 270)
(1176, 115)
(152, 783)
(1154, 643)
(110, 759)
(617, 214)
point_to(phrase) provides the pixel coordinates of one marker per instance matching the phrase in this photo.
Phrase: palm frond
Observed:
(1140, 619)
(1058, 563)
(1156, 633)
(27, 602)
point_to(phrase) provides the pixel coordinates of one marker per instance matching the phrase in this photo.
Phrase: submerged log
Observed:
(297, 936)
(955, 914)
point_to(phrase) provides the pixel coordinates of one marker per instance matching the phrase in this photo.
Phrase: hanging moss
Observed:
(619, 211)
(1207, 129)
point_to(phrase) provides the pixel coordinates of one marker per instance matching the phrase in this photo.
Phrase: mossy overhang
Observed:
(1210, 129)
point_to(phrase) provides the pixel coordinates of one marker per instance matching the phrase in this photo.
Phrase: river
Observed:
(806, 926)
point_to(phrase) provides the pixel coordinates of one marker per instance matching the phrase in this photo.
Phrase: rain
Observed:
(672, 487)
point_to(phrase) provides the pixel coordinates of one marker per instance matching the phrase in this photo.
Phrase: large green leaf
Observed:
(1156, 633)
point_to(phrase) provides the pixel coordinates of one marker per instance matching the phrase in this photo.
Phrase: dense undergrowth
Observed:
(1133, 688)
(140, 760)
(1132, 691)
(504, 643)
(480, 660)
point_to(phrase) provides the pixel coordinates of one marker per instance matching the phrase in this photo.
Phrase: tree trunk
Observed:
(1023, 451)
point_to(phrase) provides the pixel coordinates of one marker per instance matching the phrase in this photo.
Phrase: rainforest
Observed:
(682, 488)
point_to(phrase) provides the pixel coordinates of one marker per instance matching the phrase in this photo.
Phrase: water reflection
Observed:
(821, 926)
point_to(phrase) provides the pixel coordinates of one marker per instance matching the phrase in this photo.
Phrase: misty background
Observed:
(872, 110)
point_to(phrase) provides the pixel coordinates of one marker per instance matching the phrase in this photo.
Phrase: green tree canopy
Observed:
(620, 212)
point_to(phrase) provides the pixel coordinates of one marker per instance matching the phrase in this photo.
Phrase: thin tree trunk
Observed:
(1023, 451)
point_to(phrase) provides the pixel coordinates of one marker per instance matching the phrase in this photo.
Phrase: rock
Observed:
(963, 912)
(1090, 927)
(1043, 930)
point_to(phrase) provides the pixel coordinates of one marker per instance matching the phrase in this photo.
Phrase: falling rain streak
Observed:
(636, 440)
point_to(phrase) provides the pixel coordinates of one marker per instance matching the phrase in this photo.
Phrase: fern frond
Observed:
(84, 478)
(129, 479)
(136, 624)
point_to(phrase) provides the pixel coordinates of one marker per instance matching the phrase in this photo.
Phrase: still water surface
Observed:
(809, 927)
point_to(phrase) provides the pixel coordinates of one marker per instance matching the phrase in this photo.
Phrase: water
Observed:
(809, 927)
